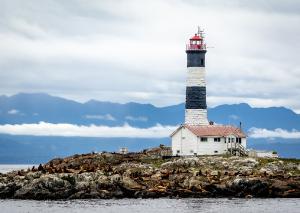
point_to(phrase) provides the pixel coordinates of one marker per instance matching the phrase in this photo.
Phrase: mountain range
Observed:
(33, 108)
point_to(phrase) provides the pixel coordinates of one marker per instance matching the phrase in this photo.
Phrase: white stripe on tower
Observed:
(196, 116)
(195, 77)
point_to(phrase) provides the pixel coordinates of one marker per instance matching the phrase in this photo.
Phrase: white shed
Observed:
(208, 140)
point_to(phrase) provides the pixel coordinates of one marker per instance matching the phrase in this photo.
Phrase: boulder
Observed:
(128, 183)
(45, 187)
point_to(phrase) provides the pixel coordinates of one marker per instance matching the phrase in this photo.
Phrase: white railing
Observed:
(238, 148)
(195, 47)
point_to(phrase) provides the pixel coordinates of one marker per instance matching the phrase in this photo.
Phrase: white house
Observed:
(208, 140)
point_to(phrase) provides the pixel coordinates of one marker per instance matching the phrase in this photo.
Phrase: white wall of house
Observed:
(244, 142)
(211, 147)
(184, 142)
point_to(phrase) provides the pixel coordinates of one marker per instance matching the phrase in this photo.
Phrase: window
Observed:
(178, 151)
(203, 139)
(182, 138)
(239, 140)
(202, 62)
(217, 139)
(215, 151)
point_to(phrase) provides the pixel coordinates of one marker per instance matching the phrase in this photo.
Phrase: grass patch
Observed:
(154, 162)
(289, 160)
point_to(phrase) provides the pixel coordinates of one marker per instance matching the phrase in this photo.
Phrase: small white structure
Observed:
(123, 150)
(262, 154)
(208, 140)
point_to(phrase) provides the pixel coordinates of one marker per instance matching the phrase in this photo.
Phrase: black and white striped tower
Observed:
(195, 105)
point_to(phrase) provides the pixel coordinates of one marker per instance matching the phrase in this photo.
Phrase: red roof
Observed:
(216, 130)
(196, 37)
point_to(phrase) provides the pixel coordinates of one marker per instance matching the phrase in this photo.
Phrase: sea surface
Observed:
(154, 205)
(4, 168)
(220, 205)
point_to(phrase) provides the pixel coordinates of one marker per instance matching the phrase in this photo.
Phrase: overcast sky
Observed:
(124, 51)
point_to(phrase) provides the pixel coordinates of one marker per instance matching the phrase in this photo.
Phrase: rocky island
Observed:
(147, 174)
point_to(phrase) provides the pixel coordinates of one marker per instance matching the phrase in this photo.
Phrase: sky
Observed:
(123, 51)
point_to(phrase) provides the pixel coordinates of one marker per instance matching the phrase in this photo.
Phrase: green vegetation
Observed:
(155, 162)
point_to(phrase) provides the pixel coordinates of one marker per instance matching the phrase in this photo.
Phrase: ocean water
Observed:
(154, 205)
(4, 168)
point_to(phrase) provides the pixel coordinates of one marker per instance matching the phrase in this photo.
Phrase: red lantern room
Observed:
(197, 42)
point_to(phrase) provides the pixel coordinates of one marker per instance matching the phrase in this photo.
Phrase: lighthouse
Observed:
(197, 136)
(195, 104)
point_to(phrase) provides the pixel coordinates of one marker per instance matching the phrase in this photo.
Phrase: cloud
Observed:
(68, 130)
(139, 118)
(120, 53)
(277, 133)
(157, 131)
(107, 117)
(13, 112)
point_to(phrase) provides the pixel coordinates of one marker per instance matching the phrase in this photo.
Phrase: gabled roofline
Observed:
(176, 130)
(233, 133)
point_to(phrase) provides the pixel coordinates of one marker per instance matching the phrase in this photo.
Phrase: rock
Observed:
(81, 185)
(225, 164)
(291, 166)
(115, 178)
(266, 172)
(33, 175)
(141, 175)
(128, 183)
(156, 176)
(254, 187)
(49, 187)
(195, 184)
(246, 171)
(279, 187)
(215, 173)
(247, 162)
(104, 182)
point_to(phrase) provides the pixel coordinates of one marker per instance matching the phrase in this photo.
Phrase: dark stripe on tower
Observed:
(196, 58)
(195, 98)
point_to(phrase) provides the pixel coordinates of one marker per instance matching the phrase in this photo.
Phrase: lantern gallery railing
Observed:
(195, 47)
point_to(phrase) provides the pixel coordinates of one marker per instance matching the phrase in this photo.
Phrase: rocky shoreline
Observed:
(148, 175)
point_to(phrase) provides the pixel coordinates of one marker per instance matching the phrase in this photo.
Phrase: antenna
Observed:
(200, 32)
